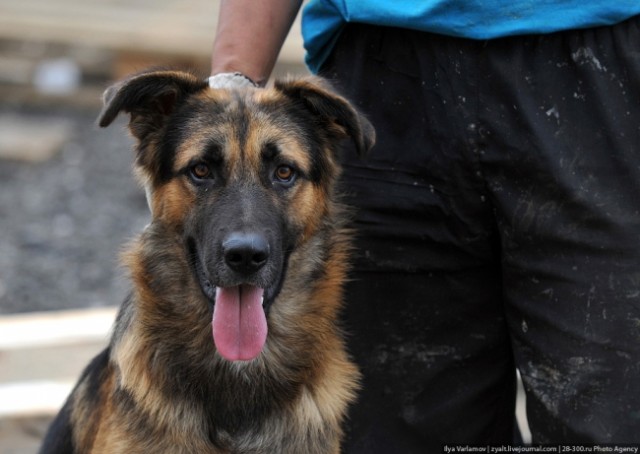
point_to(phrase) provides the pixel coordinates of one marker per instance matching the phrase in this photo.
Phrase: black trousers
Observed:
(498, 223)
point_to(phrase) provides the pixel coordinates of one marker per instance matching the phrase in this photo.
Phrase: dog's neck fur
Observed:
(221, 401)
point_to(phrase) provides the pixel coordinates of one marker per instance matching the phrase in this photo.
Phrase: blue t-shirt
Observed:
(323, 20)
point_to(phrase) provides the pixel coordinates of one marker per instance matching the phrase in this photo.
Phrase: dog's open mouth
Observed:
(239, 322)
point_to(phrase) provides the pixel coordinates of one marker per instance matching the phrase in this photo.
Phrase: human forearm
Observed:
(250, 34)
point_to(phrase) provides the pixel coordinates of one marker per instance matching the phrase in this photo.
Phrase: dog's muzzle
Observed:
(240, 286)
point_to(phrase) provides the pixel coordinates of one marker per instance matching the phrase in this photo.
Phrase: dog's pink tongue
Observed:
(239, 323)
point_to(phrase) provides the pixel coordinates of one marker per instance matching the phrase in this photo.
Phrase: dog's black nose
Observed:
(245, 252)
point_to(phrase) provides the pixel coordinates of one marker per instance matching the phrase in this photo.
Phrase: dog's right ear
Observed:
(149, 97)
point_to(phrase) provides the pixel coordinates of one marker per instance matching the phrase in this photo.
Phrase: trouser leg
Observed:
(559, 140)
(424, 308)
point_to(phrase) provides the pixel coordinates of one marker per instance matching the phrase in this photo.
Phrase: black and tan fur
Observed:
(161, 386)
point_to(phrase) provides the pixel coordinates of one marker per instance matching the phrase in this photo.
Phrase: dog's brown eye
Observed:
(284, 173)
(201, 171)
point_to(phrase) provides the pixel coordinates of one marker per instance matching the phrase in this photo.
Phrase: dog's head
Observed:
(242, 176)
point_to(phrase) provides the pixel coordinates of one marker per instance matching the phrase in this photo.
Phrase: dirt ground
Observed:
(64, 219)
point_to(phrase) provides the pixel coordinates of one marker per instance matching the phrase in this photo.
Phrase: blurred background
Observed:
(68, 200)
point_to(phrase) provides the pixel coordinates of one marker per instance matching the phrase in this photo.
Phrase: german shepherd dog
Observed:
(228, 342)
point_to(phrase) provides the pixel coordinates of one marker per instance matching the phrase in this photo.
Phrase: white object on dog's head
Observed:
(230, 80)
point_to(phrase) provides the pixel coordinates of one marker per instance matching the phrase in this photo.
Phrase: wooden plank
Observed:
(31, 141)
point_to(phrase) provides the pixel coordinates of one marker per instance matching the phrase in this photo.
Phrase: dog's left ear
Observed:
(149, 97)
(339, 116)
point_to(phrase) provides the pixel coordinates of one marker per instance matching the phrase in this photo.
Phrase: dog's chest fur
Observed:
(170, 389)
